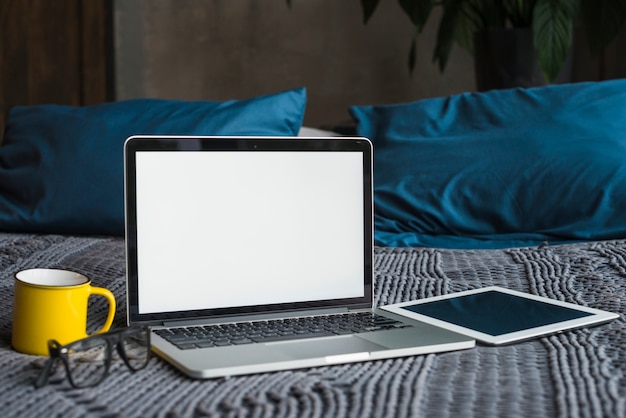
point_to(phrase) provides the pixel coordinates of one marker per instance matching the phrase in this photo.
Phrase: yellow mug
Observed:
(52, 304)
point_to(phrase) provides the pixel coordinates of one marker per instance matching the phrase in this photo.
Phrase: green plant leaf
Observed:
(486, 13)
(603, 19)
(553, 23)
(368, 7)
(447, 31)
(418, 11)
(474, 16)
(413, 53)
(519, 12)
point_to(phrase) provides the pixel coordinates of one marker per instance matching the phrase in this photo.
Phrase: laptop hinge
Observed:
(253, 317)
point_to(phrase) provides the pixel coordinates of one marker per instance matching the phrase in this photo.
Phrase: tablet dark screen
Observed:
(496, 313)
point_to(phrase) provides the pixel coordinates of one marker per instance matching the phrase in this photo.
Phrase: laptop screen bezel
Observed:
(136, 144)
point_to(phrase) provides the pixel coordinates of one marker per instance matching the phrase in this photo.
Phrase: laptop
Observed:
(255, 254)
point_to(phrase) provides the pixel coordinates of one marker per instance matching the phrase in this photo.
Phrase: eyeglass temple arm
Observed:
(42, 379)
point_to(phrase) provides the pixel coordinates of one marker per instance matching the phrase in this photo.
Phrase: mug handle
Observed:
(111, 299)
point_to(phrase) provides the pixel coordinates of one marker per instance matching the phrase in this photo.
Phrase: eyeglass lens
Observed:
(88, 360)
(136, 348)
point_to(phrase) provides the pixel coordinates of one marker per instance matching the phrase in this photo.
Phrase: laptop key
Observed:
(186, 346)
(240, 341)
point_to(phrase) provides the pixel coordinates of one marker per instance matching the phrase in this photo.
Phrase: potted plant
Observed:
(535, 36)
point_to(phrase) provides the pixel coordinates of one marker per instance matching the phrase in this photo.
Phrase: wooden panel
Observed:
(96, 51)
(54, 52)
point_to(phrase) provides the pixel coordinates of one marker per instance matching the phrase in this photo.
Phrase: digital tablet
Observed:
(495, 315)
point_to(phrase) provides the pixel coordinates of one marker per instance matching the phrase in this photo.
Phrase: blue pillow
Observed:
(501, 168)
(61, 167)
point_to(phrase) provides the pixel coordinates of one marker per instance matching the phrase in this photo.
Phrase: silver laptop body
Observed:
(247, 229)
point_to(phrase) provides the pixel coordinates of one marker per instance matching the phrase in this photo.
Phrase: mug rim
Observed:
(62, 278)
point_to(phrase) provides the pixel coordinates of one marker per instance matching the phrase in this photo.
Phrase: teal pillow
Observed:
(61, 167)
(501, 168)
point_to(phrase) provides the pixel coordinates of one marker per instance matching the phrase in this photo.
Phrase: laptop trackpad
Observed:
(326, 347)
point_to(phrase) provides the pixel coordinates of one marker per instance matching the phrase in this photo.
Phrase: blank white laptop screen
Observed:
(228, 229)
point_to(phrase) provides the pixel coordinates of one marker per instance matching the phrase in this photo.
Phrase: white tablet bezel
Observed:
(597, 317)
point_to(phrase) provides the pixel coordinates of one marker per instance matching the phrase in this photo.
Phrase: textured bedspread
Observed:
(575, 374)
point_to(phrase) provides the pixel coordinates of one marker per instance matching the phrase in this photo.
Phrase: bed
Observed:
(557, 233)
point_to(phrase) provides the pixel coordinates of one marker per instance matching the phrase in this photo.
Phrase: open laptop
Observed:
(236, 245)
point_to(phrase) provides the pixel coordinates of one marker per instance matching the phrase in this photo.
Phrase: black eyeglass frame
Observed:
(112, 338)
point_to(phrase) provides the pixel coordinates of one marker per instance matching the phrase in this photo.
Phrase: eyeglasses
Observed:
(88, 361)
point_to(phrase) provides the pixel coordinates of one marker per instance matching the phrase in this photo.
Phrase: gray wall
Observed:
(234, 49)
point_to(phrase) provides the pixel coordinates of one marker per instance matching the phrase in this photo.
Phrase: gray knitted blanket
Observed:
(580, 373)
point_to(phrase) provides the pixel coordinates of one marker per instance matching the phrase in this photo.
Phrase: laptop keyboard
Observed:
(276, 330)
